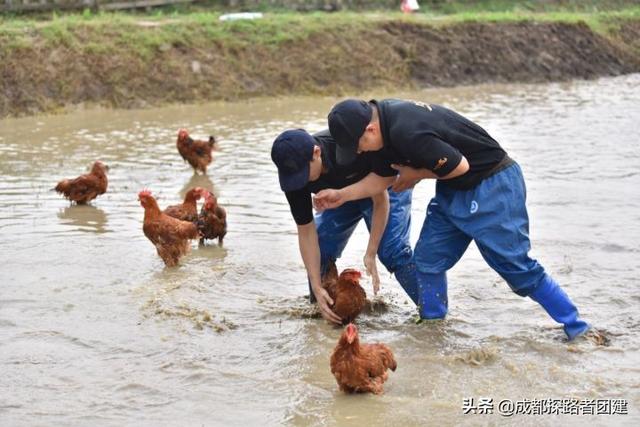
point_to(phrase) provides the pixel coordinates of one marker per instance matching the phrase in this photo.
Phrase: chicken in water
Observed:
(188, 210)
(196, 152)
(360, 368)
(349, 298)
(169, 235)
(212, 221)
(86, 187)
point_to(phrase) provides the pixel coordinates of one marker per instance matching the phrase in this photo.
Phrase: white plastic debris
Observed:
(242, 15)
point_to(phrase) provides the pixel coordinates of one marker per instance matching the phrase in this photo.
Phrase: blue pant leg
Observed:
(441, 243)
(440, 246)
(495, 215)
(334, 227)
(499, 225)
(395, 249)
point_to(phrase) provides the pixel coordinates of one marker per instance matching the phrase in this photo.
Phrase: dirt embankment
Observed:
(393, 54)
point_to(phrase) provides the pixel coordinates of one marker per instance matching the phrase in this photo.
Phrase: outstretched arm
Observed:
(379, 219)
(310, 251)
(368, 186)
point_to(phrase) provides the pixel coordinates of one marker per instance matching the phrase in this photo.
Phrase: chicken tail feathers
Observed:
(62, 187)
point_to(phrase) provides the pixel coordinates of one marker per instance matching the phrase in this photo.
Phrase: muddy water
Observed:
(95, 331)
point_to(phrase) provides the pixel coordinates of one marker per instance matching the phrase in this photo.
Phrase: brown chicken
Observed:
(212, 221)
(85, 187)
(348, 297)
(169, 235)
(188, 210)
(360, 368)
(196, 152)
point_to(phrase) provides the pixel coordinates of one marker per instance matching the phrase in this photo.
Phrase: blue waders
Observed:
(494, 215)
(335, 226)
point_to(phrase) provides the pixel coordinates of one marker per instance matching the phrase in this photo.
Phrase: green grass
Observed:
(144, 34)
(540, 6)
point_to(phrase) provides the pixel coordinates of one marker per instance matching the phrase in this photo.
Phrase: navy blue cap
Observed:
(347, 121)
(291, 152)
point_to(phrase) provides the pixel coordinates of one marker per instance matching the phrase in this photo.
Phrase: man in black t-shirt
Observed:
(480, 196)
(307, 164)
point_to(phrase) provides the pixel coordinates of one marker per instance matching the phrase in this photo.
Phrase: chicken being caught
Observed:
(169, 235)
(85, 187)
(360, 368)
(349, 299)
(188, 210)
(196, 152)
(212, 221)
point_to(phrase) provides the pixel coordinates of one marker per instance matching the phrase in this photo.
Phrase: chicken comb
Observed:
(351, 272)
(351, 328)
(145, 192)
(183, 133)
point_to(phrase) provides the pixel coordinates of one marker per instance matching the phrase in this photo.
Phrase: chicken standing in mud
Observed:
(360, 368)
(196, 152)
(169, 235)
(212, 221)
(86, 187)
(188, 210)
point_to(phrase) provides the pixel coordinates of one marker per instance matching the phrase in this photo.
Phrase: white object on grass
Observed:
(409, 6)
(242, 15)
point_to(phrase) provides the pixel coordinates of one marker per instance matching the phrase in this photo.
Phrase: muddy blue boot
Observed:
(406, 276)
(433, 295)
(557, 303)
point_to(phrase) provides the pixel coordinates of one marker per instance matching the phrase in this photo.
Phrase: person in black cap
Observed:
(480, 196)
(307, 164)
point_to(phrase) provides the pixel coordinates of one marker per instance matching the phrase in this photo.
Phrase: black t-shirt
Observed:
(428, 136)
(334, 176)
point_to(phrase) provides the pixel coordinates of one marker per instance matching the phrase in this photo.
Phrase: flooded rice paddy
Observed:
(94, 330)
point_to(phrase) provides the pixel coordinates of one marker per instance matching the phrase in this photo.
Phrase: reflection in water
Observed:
(197, 180)
(86, 218)
(167, 344)
(210, 252)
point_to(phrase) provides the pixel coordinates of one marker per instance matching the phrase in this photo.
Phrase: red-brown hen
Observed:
(196, 152)
(85, 187)
(169, 235)
(360, 368)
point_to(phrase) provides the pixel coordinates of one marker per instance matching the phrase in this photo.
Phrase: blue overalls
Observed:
(494, 215)
(335, 226)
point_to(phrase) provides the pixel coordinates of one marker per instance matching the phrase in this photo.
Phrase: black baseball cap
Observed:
(347, 121)
(292, 151)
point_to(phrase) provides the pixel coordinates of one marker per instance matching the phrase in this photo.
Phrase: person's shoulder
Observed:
(323, 137)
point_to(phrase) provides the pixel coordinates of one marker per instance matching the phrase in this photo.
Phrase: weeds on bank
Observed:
(145, 34)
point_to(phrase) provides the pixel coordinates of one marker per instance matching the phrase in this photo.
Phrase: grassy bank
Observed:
(184, 55)
(149, 31)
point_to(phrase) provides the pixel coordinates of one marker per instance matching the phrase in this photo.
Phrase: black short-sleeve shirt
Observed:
(334, 176)
(429, 136)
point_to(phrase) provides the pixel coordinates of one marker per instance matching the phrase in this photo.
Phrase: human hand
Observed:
(325, 302)
(327, 199)
(407, 178)
(372, 270)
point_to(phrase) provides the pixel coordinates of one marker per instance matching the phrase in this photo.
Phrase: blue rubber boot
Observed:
(557, 303)
(433, 295)
(406, 276)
